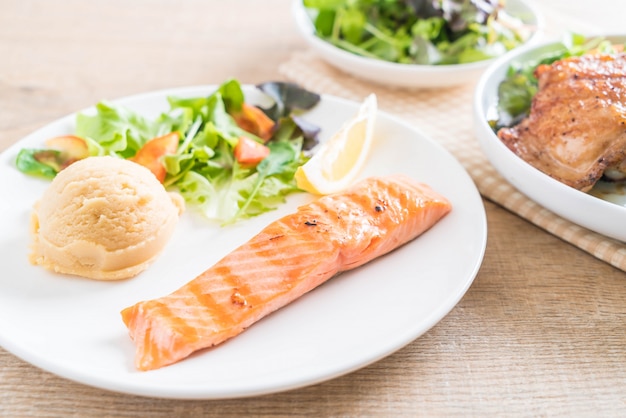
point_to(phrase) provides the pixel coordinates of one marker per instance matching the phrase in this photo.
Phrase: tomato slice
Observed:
(151, 152)
(252, 119)
(249, 152)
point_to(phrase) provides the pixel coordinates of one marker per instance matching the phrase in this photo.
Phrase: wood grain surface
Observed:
(541, 332)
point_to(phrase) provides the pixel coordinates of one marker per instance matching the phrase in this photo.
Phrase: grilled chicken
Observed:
(576, 129)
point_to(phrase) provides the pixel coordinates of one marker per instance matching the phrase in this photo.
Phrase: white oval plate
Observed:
(602, 210)
(408, 75)
(72, 327)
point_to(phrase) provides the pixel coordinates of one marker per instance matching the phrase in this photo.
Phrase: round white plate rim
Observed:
(565, 201)
(148, 388)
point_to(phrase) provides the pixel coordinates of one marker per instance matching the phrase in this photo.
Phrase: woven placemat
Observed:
(445, 115)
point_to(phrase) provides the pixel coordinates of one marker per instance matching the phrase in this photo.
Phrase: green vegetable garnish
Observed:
(44, 163)
(418, 31)
(204, 168)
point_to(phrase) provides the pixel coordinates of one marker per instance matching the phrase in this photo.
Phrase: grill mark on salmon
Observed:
(287, 259)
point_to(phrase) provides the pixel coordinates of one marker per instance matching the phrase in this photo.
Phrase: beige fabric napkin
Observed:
(445, 115)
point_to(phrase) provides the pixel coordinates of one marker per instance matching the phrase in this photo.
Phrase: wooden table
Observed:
(542, 331)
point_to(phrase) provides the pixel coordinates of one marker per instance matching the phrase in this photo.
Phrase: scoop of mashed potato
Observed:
(103, 218)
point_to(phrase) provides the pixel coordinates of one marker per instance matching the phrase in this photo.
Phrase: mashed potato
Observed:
(103, 218)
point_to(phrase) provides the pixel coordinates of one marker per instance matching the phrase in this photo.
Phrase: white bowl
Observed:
(605, 215)
(407, 75)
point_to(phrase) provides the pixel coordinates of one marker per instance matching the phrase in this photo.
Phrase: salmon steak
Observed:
(288, 258)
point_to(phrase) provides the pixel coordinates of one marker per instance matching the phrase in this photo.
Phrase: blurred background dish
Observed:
(601, 210)
(409, 74)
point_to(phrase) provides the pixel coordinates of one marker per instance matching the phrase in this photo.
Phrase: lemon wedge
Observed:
(339, 160)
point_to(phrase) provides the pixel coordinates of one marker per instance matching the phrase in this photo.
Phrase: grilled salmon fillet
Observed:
(576, 128)
(287, 259)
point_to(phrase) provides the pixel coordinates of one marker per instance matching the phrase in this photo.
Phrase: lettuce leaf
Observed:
(27, 162)
(119, 130)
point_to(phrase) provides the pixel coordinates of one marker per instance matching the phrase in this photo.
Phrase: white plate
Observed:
(408, 75)
(72, 327)
(603, 213)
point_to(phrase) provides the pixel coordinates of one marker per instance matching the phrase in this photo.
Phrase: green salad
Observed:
(516, 91)
(230, 159)
(439, 32)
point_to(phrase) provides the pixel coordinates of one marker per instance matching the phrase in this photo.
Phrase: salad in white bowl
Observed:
(416, 43)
